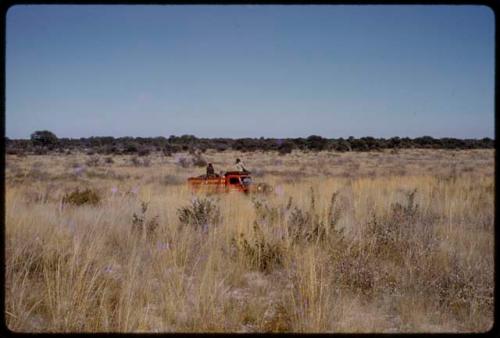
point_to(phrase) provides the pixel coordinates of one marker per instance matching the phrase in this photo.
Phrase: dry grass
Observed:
(347, 242)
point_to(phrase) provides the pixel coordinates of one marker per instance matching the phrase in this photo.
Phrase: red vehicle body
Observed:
(230, 181)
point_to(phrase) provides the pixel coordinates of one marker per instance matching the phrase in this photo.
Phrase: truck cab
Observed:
(237, 180)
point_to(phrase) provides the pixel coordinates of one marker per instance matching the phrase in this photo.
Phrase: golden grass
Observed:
(377, 269)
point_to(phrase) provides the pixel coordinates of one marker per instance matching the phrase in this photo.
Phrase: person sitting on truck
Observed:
(210, 170)
(240, 166)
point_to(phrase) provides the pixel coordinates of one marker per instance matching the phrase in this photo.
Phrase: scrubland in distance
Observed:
(346, 242)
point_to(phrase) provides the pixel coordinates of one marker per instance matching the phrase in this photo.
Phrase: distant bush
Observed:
(109, 149)
(40, 151)
(138, 162)
(286, 148)
(93, 161)
(199, 161)
(184, 162)
(143, 151)
(130, 148)
(41, 141)
(315, 142)
(77, 197)
(342, 145)
(44, 138)
(14, 151)
(166, 151)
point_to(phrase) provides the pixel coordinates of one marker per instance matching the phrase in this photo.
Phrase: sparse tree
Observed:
(44, 138)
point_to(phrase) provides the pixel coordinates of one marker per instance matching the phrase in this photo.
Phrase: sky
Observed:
(250, 71)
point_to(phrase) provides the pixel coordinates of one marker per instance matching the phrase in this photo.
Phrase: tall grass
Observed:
(325, 252)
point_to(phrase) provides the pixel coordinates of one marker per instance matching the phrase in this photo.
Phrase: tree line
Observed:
(44, 141)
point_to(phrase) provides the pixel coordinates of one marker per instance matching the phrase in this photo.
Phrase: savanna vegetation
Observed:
(385, 241)
(44, 142)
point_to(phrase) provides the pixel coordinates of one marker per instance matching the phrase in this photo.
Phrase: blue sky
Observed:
(250, 71)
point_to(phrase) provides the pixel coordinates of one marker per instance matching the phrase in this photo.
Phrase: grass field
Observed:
(346, 242)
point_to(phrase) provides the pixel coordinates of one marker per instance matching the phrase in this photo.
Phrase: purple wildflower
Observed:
(72, 226)
(205, 227)
(279, 190)
(160, 246)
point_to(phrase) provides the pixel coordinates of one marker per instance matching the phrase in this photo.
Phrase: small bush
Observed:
(171, 180)
(199, 161)
(38, 174)
(140, 224)
(304, 226)
(130, 148)
(12, 151)
(355, 270)
(39, 150)
(390, 234)
(167, 152)
(81, 197)
(265, 213)
(184, 162)
(260, 253)
(138, 162)
(201, 214)
(285, 148)
(143, 151)
(405, 214)
(308, 226)
(280, 321)
(93, 161)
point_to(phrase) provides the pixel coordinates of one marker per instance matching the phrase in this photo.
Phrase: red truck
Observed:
(230, 181)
